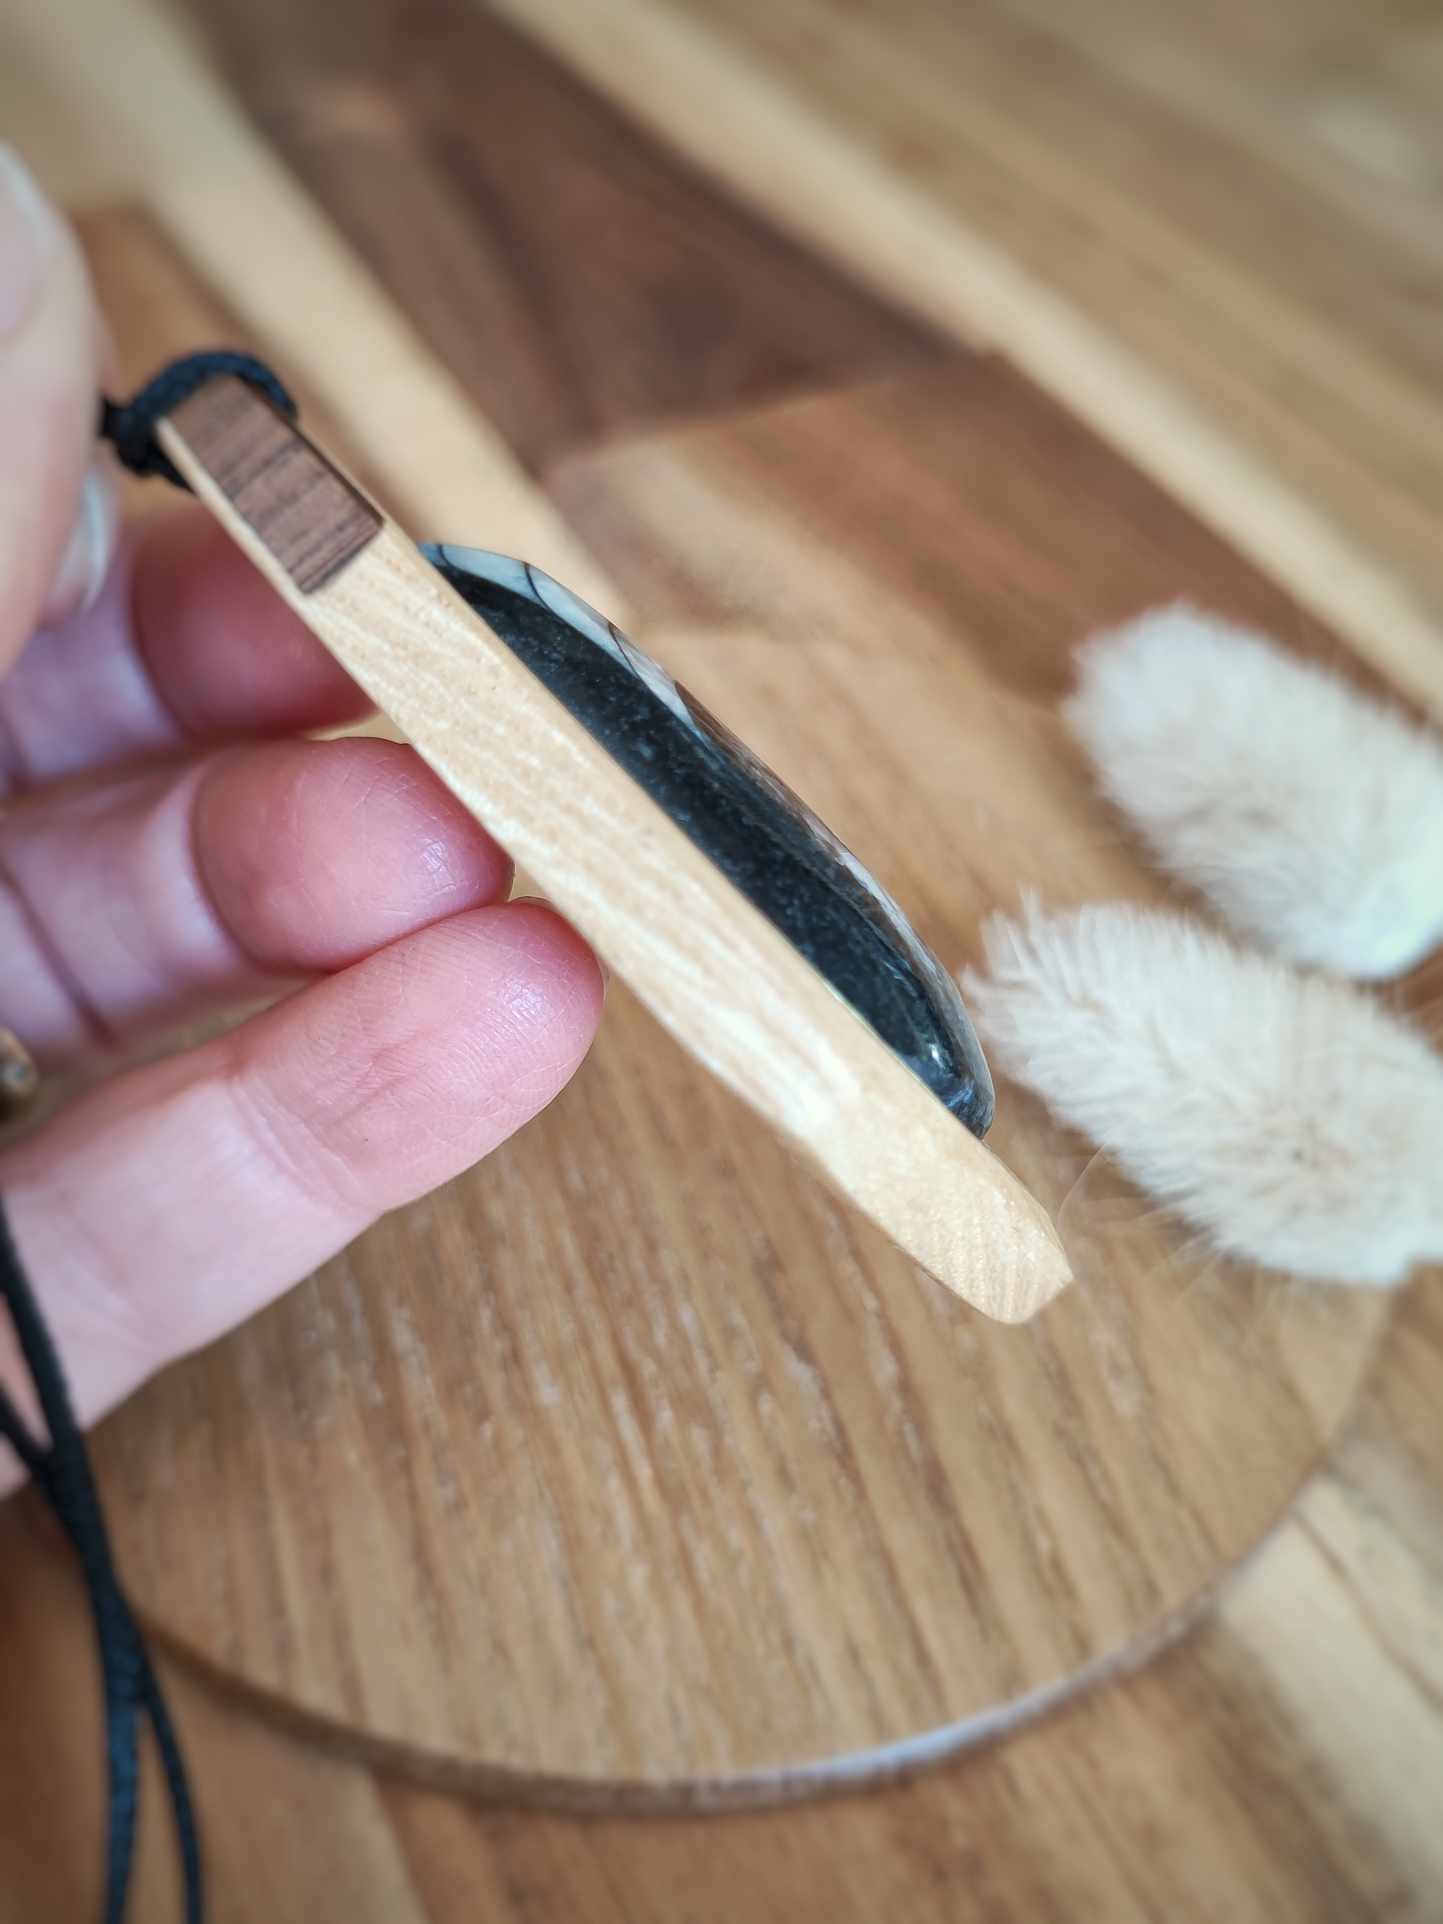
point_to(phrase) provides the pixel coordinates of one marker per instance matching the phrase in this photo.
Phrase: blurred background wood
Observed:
(1256, 328)
(874, 510)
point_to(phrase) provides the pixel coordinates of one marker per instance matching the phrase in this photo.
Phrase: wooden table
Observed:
(1213, 242)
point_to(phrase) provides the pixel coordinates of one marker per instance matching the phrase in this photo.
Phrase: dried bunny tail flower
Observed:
(1308, 814)
(1287, 1117)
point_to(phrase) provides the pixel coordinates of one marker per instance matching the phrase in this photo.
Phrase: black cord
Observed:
(129, 1683)
(130, 426)
(61, 1468)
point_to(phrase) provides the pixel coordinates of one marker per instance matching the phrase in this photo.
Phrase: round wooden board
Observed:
(632, 1466)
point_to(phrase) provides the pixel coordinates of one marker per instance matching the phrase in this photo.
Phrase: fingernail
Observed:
(28, 229)
(86, 561)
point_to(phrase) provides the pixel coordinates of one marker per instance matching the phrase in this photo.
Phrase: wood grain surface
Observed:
(710, 965)
(576, 276)
(1247, 332)
(1282, 1763)
(303, 515)
(167, 309)
(545, 1434)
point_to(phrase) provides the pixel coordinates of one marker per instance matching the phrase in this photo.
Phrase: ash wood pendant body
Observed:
(745, 926)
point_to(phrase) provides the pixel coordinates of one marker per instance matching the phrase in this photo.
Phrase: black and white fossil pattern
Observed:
(764, 840)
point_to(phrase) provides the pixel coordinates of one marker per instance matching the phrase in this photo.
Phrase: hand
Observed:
(167, 844)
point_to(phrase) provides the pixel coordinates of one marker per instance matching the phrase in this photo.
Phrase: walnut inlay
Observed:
(307, 514)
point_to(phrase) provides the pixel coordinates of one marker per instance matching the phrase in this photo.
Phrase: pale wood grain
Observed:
(705, 961)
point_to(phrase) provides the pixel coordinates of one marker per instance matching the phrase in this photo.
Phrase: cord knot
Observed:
(130, 426)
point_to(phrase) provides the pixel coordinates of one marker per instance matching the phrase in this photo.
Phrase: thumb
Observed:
(56, 517)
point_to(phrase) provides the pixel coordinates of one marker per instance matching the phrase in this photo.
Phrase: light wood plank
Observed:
(934, 159)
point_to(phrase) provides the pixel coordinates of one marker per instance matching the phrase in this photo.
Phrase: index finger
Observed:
(187, 644)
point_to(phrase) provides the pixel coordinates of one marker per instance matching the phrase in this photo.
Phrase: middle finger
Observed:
(138, 899)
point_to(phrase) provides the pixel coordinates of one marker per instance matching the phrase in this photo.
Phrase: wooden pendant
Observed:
(742, 923)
